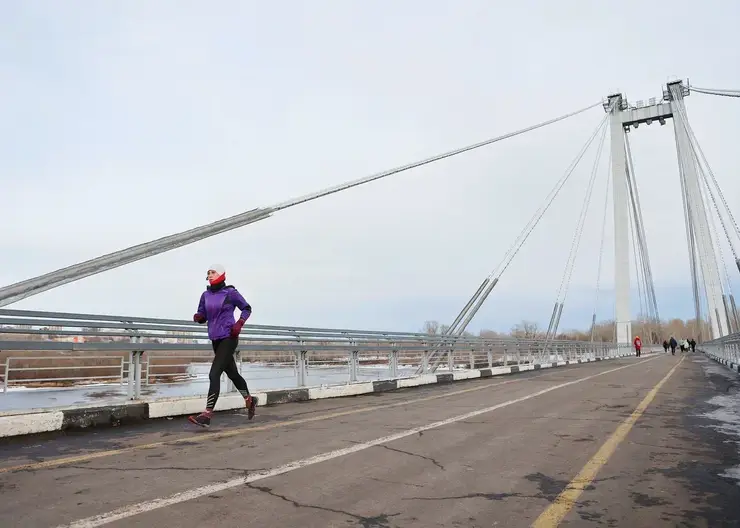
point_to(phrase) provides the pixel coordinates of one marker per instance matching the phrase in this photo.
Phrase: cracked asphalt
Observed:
(500, 468)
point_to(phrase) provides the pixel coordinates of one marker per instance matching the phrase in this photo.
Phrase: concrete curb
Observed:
(26, 422)
(732, 366)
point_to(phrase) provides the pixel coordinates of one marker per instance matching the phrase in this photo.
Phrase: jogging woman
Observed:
(216, 307)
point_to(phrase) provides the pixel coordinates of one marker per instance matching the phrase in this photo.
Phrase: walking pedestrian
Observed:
(673, 344)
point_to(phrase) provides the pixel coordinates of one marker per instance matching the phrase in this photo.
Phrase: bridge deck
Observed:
(394, 465)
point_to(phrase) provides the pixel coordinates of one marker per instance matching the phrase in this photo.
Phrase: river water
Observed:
(259, 378)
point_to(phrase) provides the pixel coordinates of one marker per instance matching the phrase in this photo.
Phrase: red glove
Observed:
(199, 318)
(237, 328)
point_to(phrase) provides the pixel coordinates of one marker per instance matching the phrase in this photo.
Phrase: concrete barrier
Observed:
(17, 423)
(732, 366)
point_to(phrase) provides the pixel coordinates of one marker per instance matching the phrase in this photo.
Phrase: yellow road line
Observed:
(253, 429)
(564, 502)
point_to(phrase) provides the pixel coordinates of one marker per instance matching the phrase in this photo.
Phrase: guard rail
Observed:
(41, 349)
(727, 348)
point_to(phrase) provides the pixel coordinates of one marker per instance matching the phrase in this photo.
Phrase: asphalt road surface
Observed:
(613, 443)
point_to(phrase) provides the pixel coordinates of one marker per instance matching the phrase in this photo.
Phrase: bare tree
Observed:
(603, 331)
(526, 330)
(431, 327)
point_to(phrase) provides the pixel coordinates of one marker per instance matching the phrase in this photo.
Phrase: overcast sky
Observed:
(121, 122)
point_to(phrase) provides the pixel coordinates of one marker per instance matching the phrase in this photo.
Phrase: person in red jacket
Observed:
(216, 307)
(638, 345)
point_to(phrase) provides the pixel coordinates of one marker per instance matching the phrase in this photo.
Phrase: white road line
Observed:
(184, 496)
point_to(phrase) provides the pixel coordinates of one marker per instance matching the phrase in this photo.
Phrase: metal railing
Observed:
(68, 350)
(727, 348)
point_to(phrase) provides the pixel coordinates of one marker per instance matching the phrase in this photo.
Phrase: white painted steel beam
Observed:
(622, 312)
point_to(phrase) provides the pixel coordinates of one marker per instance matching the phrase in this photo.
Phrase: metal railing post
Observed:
(131, 391)
(489, 354)
(138, 354)
(7, 375)
(393, 362)
(131, 374)
(451, 359)
(425, 361)
(301, 357)
(353, 360)
(301, 364)
(145, 377)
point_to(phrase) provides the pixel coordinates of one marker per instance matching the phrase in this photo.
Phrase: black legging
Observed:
(224, 362)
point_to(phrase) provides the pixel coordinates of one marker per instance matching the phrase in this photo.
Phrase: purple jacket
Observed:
(218, 308)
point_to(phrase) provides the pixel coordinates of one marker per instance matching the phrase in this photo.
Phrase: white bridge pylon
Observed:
(703, 260)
